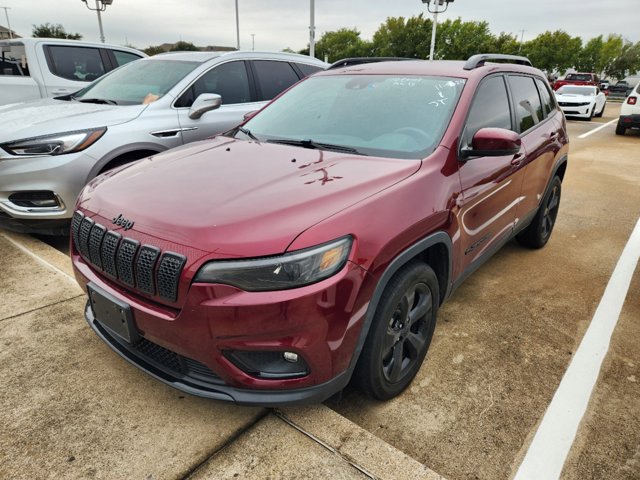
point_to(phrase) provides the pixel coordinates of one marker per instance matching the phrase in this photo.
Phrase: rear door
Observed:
(535, 111)
(490, 185)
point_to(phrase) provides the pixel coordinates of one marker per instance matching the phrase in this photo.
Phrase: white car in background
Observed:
(584, 101)
(629, 112)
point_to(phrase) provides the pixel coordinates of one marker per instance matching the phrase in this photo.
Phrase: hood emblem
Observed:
(122, 222)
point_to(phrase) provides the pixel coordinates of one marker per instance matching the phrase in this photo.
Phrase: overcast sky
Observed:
(278, 24)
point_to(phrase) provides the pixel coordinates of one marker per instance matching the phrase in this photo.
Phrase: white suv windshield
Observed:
(381, 115)
(142, 81)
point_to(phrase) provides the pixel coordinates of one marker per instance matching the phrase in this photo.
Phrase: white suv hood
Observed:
(43, 117)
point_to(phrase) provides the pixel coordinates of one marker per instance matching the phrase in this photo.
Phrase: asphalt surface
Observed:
(501, 347)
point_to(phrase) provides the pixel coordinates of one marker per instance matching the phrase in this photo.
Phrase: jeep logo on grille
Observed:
(122, 222)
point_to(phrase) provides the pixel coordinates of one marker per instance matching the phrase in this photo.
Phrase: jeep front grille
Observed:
(144, 268)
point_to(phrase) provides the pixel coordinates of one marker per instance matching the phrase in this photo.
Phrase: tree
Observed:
(182, 46)
(154, 50)
(590, 59)
(627, 61)
(48, 30)
(507, 44)
(343, 43)
(553, 51)
(458, 40)
(398, 37)
(611, 49)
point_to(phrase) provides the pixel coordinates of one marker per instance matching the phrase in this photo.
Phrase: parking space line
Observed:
(552, 442)
(597, 129)
(39, 259)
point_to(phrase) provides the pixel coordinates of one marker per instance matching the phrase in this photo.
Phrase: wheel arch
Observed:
(130, 152)
(436, 250)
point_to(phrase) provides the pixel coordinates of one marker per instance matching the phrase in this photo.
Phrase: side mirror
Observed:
(203, 104)
(249, 115)
(493, 142)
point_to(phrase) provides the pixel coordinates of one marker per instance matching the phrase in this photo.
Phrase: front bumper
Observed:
(582, 111)
(187, 347)
(63, 175)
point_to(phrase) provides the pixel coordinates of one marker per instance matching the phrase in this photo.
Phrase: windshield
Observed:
(138, 82)
(381, 115)
(572, 90)
(579, 77)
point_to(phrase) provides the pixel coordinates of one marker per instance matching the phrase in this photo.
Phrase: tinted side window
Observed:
(490, 108)
(124, 57)
(274, 77)
(229, 80)
(76, 63)
(546, 97)
(526, 101)
(14, 61)
(308, 69)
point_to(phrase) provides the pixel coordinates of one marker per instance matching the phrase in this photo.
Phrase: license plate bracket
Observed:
(112, 313)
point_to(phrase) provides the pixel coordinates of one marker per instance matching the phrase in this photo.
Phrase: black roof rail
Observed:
(476, 61)
(347, 62)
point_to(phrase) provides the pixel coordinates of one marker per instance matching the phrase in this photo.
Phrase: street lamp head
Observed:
(438, 2)
(109, 2)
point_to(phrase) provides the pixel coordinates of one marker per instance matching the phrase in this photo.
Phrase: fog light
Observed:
(269, 364)
(35, 199)
(290, 357)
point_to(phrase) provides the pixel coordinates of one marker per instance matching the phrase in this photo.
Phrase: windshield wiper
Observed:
(97, 100)
(315, 145)
(248, 133)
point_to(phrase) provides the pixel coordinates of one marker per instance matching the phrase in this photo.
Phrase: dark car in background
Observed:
(315, 244)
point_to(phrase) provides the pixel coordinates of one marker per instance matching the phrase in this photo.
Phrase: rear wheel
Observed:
(400, 333)
(620, 130)
(537, 234)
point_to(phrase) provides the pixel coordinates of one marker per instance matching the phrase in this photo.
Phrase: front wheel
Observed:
(400, 333)
(601, 112)
(537, 234)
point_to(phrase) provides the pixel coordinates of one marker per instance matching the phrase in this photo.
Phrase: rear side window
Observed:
(547, 99)
(308, 69)
(490, 109)
(75, 63)
(527, 102)
(13, 60)
(229, 80)
(124, 57)
(274, 77)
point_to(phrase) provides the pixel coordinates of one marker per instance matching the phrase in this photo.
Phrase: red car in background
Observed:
(314, 244)
(578, 79)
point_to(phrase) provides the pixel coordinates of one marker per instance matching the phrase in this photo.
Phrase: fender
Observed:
(398, 262)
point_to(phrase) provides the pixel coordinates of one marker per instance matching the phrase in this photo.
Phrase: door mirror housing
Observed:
(203, 104)
(492, 142)
(249, 115)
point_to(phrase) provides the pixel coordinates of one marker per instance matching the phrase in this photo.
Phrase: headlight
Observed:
(57, 144)
(291, 270)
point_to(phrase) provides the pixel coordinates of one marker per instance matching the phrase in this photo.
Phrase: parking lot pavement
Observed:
(71, 408)
(506, 337)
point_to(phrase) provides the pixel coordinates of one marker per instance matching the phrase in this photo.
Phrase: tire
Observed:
(593, 111)
(620, 130)
(537, 234)
(400, 333)
(601, 112)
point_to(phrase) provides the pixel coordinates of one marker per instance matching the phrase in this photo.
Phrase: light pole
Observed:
(101, 6)
(312, 30)
(6, 13)
(436, 10)
(237, 27)
(253, 41)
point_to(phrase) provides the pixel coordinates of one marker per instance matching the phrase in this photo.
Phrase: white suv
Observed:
(629, 112)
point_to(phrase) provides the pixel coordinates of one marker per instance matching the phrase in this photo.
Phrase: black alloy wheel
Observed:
(400, 333)
(537, 234)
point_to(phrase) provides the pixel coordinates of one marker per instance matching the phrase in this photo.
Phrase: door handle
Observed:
(517, 159)
(554, 136)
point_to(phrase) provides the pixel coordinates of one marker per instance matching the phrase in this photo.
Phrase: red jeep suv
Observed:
(314, 244)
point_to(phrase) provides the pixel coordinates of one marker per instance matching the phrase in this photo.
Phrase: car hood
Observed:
(49, 116)
(238, 198)
(573, 98)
